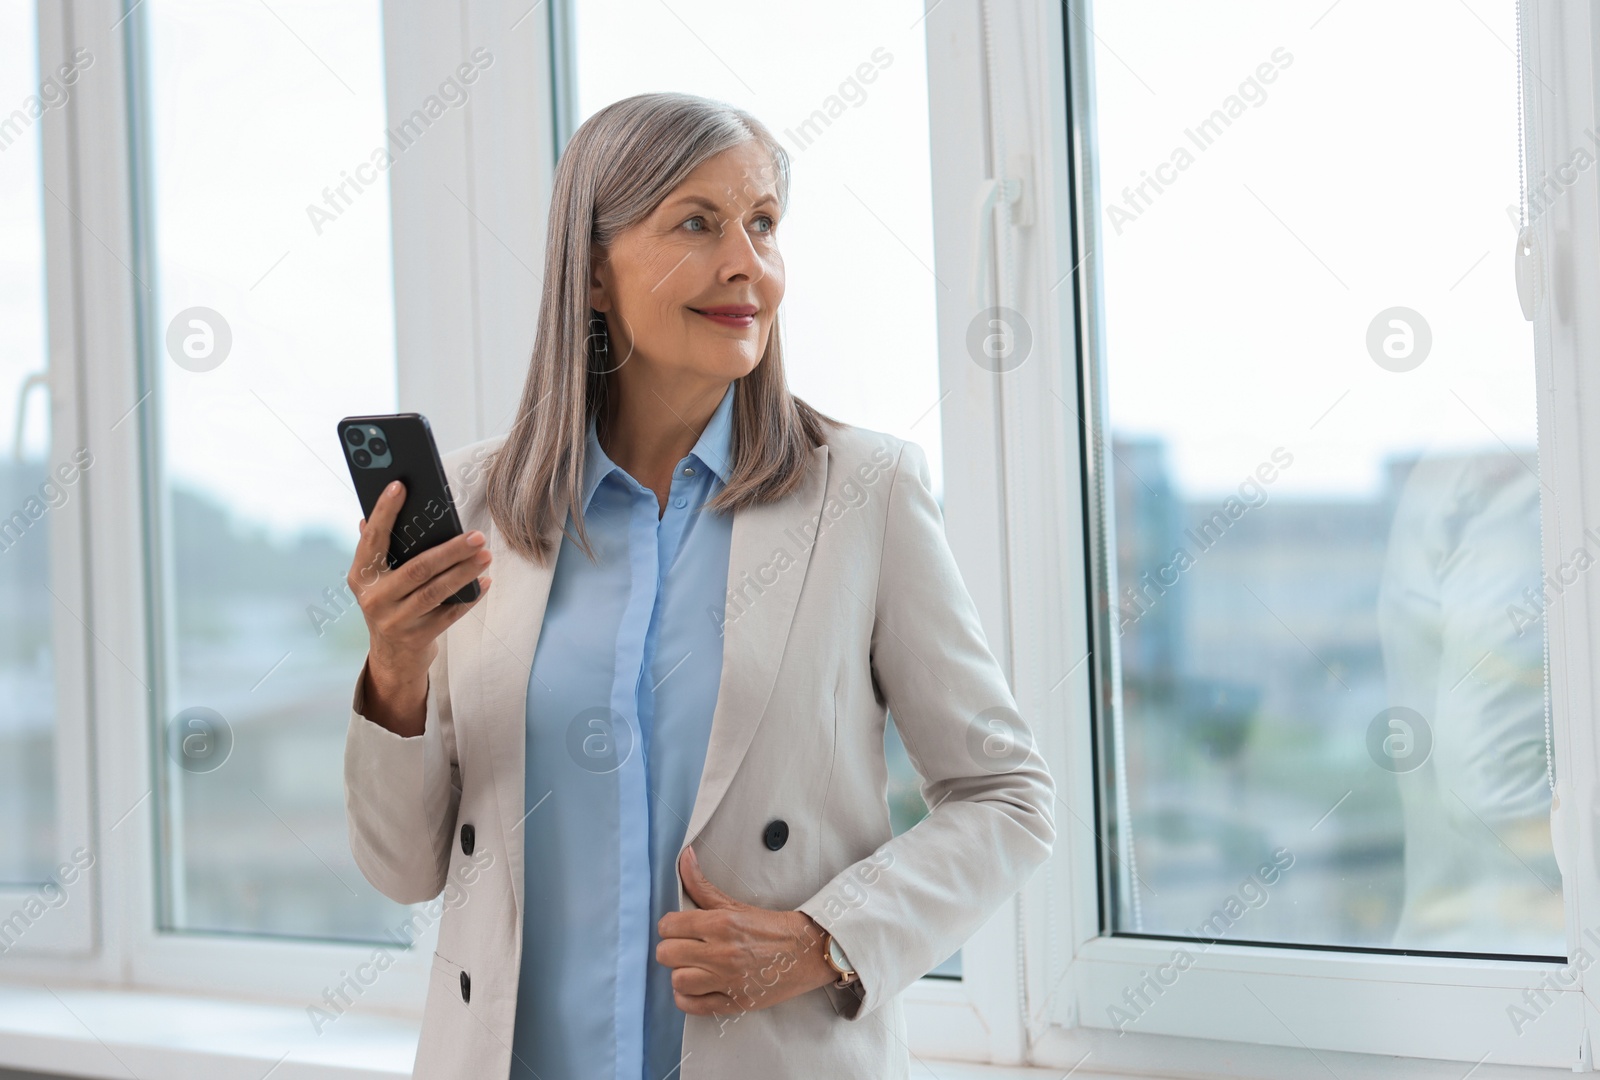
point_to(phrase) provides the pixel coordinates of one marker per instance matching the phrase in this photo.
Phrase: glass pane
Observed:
(1325, 479)
(30, 488)
(273, 317)
(844, 88)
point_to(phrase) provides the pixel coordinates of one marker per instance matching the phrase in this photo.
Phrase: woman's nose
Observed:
(738, 254)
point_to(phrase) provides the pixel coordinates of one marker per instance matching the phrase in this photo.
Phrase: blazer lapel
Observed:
(767, 561)
(773, 540)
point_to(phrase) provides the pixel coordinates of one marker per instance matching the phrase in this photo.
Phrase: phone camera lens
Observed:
(362, 458)
(378, 447)
(354, 436)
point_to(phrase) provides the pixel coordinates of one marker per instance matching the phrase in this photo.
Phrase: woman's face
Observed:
(693, 289)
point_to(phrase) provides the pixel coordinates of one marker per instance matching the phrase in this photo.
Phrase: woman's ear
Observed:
(599, 280)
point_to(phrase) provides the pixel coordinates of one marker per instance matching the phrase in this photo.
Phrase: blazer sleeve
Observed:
(401, 794)
(914, 901)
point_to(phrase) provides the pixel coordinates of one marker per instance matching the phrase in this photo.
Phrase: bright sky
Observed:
(22, 340)
(240, 150)
(1375, 174)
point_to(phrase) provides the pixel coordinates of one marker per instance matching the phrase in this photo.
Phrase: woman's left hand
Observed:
(730, 957)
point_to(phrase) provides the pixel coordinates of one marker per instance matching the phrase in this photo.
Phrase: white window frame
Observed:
(66, 930)
(1389, 1013)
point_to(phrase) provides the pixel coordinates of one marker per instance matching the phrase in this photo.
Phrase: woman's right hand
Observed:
(405, 612)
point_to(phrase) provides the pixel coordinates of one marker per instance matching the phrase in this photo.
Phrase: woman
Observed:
(649, 761)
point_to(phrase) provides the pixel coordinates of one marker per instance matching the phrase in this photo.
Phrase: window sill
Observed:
(110, 1033)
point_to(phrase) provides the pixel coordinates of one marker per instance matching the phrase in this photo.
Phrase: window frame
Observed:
(68, 930)
(1055, 509)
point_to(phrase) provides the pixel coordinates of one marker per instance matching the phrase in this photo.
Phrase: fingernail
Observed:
(394, 486)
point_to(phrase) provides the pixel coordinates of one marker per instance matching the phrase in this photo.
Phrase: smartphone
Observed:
(400, 446)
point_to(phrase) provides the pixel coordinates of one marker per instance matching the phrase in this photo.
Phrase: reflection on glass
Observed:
(843, 86)
(1328, 615)
(274, 317)
(27, 659)
(1463, 647)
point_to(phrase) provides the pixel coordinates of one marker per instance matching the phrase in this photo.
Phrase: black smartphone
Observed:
(400, 446)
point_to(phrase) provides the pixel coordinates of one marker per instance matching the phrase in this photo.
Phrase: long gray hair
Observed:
(619, 166)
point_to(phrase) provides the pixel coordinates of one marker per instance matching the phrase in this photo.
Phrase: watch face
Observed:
(838, 954)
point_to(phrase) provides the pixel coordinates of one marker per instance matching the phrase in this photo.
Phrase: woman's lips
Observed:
(740, 317)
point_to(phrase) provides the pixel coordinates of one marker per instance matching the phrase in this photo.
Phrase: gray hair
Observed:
(619, 166)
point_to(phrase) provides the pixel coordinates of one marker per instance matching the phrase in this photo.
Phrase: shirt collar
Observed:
(714, 449)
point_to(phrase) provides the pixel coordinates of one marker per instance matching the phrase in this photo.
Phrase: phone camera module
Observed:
(368, 447)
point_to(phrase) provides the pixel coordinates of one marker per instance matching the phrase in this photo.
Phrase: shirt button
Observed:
(688, 471)
(681, 503)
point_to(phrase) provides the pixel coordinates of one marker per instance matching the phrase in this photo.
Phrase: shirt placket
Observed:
(669, 533)
(633, 851)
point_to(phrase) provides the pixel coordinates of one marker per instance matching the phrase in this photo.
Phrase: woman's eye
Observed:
(764, 223)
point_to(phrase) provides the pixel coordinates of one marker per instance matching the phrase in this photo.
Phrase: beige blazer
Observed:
(843, 599)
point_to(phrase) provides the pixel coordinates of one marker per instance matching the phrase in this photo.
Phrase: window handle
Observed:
(1530, 277)
(38, 378)
(991, 193)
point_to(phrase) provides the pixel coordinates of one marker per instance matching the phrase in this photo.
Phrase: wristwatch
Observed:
(834, 955)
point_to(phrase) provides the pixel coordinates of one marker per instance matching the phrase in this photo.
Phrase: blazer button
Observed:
(468, 839)
(776, 832)
(466, 987)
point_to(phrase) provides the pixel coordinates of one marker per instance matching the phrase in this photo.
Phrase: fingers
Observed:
(699, 924)
(695, 982)
(706, 1004)
(373, 549)
(433, 586)
(404, 606)
(446, 615)
(417, 572)
(691, 968)
(417, 580)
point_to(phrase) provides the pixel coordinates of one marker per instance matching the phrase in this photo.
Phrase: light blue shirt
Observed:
(620, 697)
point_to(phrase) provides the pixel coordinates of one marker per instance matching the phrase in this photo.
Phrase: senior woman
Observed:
(648, 761)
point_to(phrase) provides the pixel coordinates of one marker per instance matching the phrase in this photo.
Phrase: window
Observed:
(1315, 449)
(272, 303)
(1324, 485)
(27, 656)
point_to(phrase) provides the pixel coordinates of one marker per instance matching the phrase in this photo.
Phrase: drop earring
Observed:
(602, 350)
